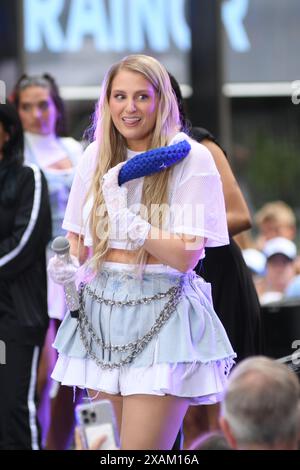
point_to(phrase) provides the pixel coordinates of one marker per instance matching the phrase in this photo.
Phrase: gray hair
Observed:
(261, 403)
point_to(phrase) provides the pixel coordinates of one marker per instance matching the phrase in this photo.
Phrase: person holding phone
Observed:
(147, 337)
(97, 419)
(96, 444)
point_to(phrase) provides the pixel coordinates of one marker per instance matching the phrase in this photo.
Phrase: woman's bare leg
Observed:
(213, 412)
(151, 421)
(198, 421)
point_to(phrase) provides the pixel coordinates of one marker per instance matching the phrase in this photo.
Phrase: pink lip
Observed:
(131, 123)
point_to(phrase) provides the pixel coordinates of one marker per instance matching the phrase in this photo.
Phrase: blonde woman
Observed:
(147, 337)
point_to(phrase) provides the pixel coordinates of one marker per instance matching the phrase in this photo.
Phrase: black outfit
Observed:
(25, 230)
(233, 291)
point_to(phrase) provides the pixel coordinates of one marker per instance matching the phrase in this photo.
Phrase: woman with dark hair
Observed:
(234, 295)
(25, 231)
(233, 291)
(42, 114)
(47, 82)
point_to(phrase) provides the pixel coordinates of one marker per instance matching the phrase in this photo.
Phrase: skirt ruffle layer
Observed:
(191, 355)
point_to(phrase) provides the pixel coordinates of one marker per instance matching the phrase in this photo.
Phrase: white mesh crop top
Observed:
(196, 199)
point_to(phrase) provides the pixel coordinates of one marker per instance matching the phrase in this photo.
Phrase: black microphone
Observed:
(61, 247)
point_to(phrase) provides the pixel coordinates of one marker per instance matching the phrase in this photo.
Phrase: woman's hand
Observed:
(115, 196)
(124, 223)
(96, 445)
(63, 272)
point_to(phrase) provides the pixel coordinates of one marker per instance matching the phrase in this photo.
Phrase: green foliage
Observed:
(273, 170)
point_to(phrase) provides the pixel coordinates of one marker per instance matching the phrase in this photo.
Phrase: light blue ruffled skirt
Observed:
(191, 355)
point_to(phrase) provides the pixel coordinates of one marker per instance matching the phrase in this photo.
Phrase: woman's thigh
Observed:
(151, 421)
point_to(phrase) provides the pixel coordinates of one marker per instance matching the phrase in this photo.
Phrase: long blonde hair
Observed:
(112, 147)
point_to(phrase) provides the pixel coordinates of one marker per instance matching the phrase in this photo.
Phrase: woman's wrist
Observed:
(138, 230)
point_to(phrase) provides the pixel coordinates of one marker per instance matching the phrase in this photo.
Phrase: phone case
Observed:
(95, 420)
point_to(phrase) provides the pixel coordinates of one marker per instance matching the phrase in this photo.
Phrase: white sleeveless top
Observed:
(196, 201)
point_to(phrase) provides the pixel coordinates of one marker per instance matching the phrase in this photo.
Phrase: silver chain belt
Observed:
(131, 303)
(88, 335)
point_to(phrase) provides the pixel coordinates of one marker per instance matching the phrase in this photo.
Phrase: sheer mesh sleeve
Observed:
(197, 205)
(73, 215)
(76, 215)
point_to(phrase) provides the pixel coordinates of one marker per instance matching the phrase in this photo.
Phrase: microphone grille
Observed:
(60, 245)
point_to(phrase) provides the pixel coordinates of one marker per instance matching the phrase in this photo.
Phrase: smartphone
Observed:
(96, 419)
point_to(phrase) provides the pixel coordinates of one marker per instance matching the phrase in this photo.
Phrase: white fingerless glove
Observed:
(125, 224)
(63, 270)
(137, 230)
(115, 196)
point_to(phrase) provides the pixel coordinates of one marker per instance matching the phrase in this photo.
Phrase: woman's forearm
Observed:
(238, 222)
(77, 247)
(181, 252)
(237, 212)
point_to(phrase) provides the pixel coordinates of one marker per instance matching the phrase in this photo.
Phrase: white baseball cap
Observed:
(255, 260)
(280, 246)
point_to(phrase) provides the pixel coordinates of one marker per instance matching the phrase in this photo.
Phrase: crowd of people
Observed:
(169, 297)
(272, 257)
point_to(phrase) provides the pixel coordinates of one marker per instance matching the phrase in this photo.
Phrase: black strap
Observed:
(199, 134)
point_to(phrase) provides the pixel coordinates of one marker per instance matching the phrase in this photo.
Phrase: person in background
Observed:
(293, 288)
(256, 262)
(275, 219)
(42, 114)
(233, 291)
(261, 406)
(122, 346)
(211, 441)
(280, 254)
(25, 231)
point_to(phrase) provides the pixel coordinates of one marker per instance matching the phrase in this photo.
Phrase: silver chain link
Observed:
(131, 303)
(135, 347)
